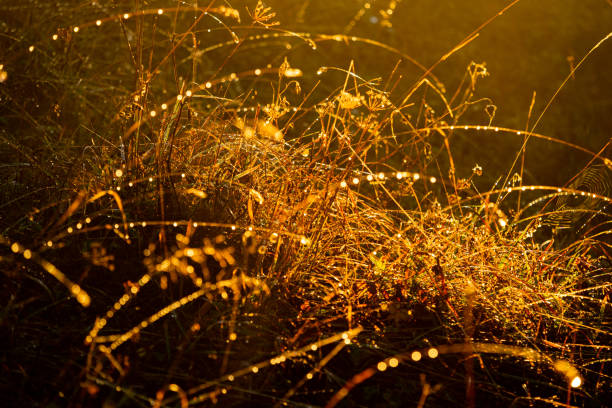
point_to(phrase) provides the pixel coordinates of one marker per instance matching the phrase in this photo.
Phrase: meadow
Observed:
(305, 203)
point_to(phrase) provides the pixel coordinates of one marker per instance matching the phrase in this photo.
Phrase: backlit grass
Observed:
(197, 208)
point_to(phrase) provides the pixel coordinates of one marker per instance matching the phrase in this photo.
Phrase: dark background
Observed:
(526, 50)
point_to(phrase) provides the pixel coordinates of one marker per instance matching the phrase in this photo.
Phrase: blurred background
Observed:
(528, 50)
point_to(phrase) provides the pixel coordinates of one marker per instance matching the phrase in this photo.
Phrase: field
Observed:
(305, 203)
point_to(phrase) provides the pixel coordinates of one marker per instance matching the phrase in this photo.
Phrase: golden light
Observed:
(293, 72)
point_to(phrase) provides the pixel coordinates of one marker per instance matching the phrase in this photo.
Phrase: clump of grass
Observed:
(261, 232)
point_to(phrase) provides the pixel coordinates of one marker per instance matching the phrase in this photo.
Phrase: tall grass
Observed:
(195, 210)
